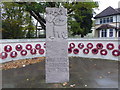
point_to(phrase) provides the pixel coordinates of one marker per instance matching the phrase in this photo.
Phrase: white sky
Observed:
(103, 4)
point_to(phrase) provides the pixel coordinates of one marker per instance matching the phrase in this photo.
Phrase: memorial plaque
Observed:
(57, 63)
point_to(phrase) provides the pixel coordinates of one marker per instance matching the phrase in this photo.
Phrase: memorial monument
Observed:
(57, 62)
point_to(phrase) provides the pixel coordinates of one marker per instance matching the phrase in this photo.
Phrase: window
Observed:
(111, 33)
(104, 20)
(118, 33)
(100, 21)
(111, 19)
(104, 33)
(107, 20)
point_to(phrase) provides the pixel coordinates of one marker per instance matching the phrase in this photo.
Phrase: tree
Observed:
(79, 14)
(80, 17)
(37, 10)
(15, 21)
(30, 29)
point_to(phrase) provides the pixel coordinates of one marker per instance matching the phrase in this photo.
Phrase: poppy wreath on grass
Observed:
(81, 45)
(89, 45)
(18, 47)
(3, 55)
(13, 54)
(7, 48)
(38, 46)
(95, 51)
(69, 50)
(99, 46)
(28, 46)
(110, 46)
(86, 51)
(71, 45)
(41, 51)
(33, 51)
(103, 52)
(115, 52)
(76, 51)
(23, 52)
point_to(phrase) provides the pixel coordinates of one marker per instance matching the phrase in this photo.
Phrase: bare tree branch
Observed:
(38, 19)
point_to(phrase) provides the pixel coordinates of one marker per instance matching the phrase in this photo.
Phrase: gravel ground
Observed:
(20, 63)
(84, 73)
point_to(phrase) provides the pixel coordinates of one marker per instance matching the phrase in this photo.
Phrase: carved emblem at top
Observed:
(56, 16)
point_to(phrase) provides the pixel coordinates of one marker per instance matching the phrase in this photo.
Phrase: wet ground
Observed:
(84, 73)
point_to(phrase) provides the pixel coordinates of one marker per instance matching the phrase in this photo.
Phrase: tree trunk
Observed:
(36, 28)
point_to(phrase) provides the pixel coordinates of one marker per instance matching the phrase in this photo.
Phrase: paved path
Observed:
(84, 73)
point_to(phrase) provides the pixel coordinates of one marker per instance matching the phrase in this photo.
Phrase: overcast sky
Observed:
(103, 4)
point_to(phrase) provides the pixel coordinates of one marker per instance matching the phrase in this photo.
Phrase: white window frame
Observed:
(101, 21)
(106, 20)
(111, 18)
(118, 33)
(102, 33)
(111, 32)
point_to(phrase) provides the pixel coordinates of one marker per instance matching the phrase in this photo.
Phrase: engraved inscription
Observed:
(58, 70)
(57, 64)
(48, 59)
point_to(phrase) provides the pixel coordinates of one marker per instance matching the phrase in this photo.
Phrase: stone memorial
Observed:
(57, 62)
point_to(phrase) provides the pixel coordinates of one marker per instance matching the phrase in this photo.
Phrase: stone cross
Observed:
(57, 63)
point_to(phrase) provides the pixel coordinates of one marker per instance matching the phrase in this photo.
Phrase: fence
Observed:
(103, 48)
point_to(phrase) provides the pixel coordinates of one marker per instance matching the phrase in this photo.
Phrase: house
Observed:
(107, 23)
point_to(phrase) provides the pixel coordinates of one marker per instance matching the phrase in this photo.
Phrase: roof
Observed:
(108, 12)
(105, 26)
(117, 9)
